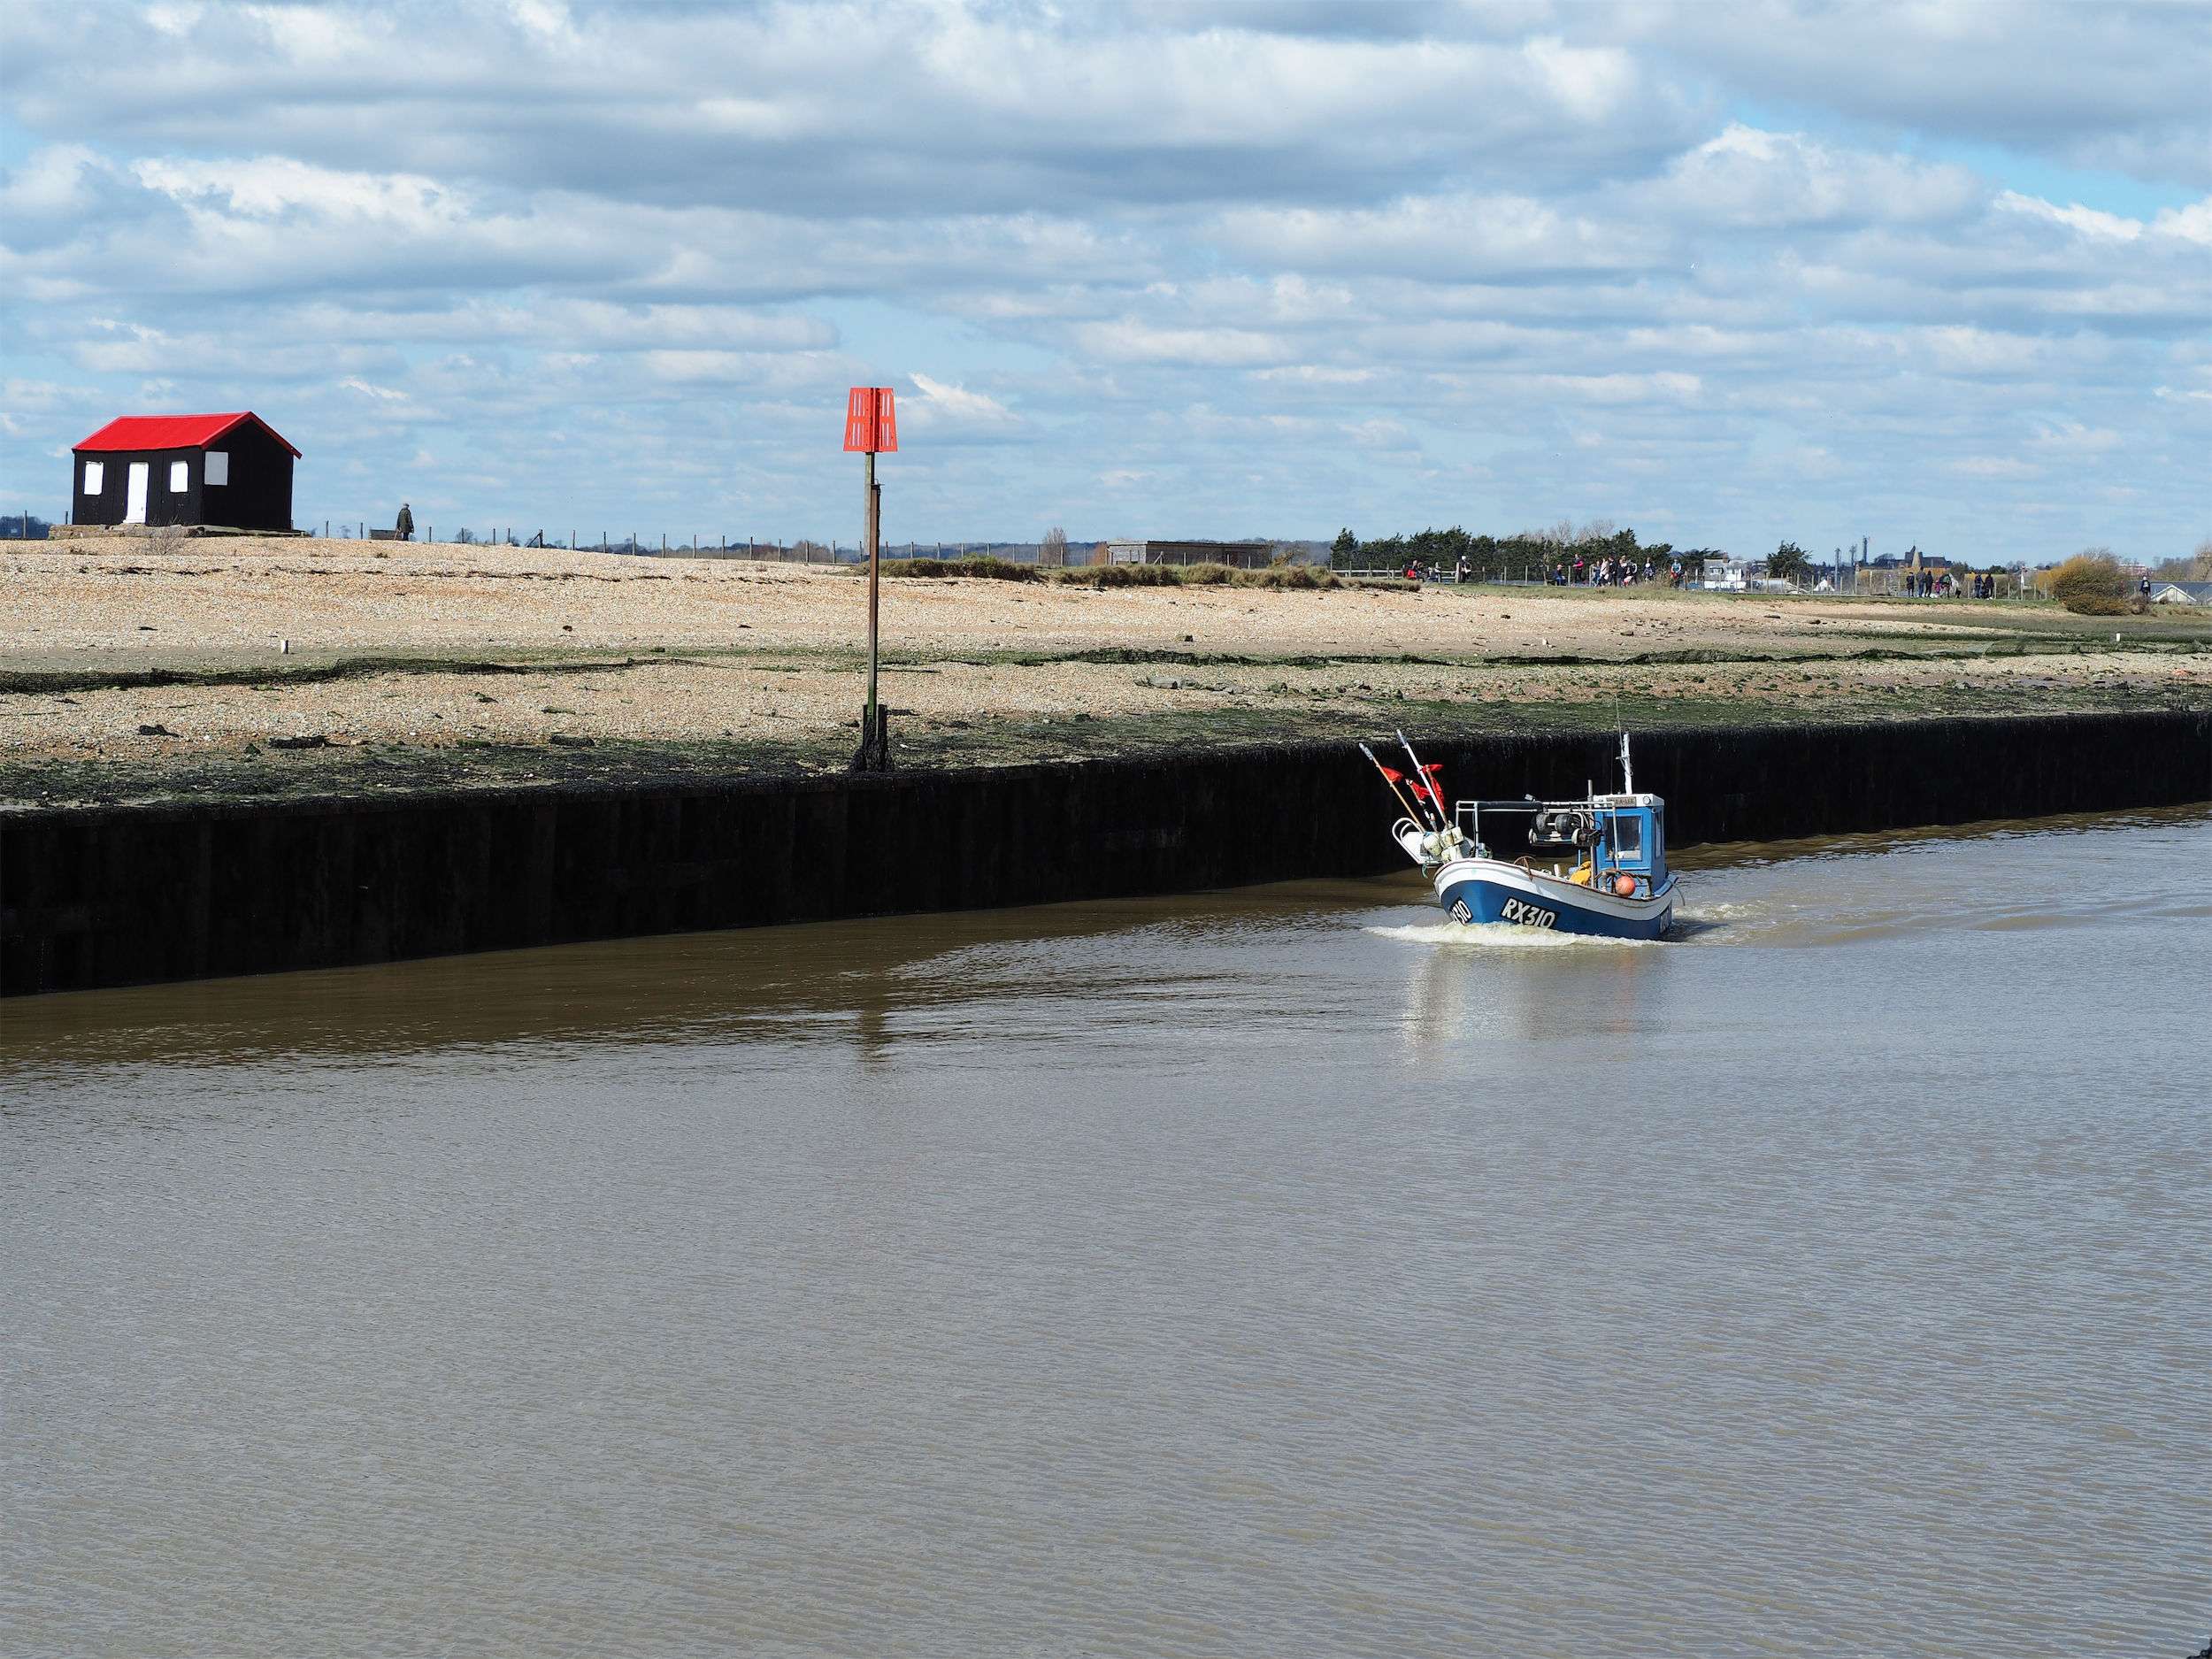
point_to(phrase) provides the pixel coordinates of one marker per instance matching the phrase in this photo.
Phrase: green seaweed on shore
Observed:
(243, 775)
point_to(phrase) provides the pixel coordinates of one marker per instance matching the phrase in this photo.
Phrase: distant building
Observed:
(2164, 592)
(1241, 554)
(1911, 558)
(227, 469)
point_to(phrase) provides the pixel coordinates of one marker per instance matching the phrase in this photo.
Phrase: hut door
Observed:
(135, 510)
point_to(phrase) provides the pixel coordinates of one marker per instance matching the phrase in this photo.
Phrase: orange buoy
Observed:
(1624, 886)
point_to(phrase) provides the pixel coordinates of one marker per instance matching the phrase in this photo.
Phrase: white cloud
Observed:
(2192, 223)
(1126, 340)
(1459, 237)
(381, 394)
(2074, 441)
(267, 187)
(953, 413)
(1748, 178)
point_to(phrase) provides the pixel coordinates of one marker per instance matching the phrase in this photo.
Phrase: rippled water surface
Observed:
(1282, 1271)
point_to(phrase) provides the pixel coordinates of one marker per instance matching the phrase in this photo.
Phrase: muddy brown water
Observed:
(1273, 1271)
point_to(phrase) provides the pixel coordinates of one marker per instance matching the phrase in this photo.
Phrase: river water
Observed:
(1277, 1272)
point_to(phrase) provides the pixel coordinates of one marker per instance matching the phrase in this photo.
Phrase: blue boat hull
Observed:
(1482, 891)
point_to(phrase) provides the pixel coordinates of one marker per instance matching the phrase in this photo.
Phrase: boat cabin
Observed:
(1635, 830)
(1604, 837)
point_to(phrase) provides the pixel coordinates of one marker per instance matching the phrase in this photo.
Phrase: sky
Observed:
(1935, 274)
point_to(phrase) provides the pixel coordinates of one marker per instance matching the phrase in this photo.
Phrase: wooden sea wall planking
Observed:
(108, 897)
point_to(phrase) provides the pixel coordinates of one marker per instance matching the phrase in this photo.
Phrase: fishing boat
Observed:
(1596, 866)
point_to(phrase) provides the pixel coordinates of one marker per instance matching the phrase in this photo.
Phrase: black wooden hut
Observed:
(227, 469)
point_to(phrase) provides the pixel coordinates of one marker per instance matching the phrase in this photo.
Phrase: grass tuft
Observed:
(980, 565)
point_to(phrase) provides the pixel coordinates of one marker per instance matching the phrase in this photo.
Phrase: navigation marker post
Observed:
(871, 428)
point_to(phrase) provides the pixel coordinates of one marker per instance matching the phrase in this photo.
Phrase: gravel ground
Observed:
(221, 646)
(241, 597)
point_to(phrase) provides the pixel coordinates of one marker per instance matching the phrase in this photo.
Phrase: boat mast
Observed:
(1628, 774)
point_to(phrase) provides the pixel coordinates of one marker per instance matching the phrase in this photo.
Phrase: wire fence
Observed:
(698, 544)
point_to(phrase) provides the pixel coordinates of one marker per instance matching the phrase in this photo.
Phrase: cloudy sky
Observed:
(1925, 272)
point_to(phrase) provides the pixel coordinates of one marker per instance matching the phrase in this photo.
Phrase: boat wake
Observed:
(1711, 915)
(1498, 936)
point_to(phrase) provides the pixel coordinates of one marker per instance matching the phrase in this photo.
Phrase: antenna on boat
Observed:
(1628, 772)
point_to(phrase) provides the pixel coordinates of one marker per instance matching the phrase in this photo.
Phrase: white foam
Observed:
(1715, 913)
(1495, 936)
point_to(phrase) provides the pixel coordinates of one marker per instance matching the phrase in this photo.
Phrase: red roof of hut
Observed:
(173, 432)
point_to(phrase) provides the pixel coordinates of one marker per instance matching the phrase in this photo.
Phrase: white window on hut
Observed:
(179, 477)
(217, 466)
(95, 477)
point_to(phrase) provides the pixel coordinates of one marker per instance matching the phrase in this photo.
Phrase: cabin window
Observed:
(95, 477)
(217, 466)
(179, 477)
(1628, 837)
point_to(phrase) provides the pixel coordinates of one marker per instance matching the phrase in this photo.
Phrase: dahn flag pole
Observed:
(871, 428)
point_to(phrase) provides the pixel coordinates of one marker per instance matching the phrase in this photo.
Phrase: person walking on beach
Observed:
(406, 525)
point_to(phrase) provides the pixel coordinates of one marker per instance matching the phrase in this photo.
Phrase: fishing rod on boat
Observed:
(1391, 779)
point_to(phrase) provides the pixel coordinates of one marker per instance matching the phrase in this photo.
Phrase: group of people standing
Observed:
(1611, 573)
(1416, 572)
(1949, 585)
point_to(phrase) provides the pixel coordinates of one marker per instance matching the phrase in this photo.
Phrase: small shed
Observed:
(229, 470)
(1240, 555)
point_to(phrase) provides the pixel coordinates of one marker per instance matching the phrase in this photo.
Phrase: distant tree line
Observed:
(1496, 558)
(2197, 567)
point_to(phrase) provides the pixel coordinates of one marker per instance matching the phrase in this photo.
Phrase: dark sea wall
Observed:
(117, 897)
